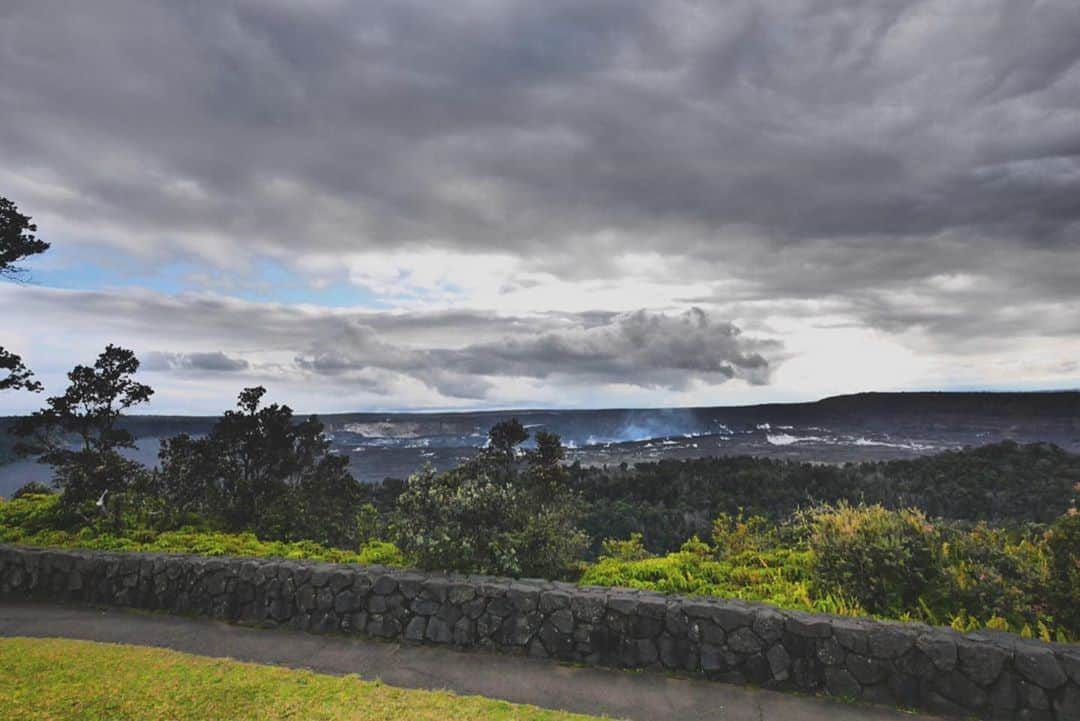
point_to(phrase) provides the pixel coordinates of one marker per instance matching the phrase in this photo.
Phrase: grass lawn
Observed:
(64, 679)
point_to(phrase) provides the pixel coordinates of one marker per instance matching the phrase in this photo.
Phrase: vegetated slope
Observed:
(669, 501)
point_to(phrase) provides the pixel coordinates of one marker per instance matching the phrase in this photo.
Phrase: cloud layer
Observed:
(906, 168)
(377, 353)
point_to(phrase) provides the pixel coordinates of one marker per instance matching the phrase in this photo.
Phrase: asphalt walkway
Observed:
(619, 694)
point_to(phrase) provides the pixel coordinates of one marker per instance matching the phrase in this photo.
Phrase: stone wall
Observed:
(985, 674)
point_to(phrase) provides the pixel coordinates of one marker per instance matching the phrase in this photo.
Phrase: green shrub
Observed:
(629, 549)
(779, 576)
(1063, 546)
(28, 514)
(990, 573)
(33, 488)
(736, 534)
(32, 521)
(508, 512)
(886, 560)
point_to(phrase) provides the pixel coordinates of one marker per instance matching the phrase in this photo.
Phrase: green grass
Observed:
(46, 679)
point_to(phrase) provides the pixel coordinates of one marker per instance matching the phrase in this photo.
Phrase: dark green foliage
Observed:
(991, 571)
(259, 470)
(29, 515)
(185, 480)
(503, 441)
(18, 376)
(328, 502)
(33, 488)
(859, 560)
(1063, 542)
(17, 240)
(669, 501)
(506, 512)
(94, 476)
(34, 520)
(884, 560)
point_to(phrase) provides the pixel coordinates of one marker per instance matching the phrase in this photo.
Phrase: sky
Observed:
(397, 205)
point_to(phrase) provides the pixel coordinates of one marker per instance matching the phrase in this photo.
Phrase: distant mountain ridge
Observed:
(836, 429)
(998, 403)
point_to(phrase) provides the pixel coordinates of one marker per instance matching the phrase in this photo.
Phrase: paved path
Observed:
(621, 694)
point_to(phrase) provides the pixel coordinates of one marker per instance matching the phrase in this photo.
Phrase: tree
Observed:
(506, 512)
(886, 560)
(17, 241)
(259, 470)
(503, 441)
(185, 480)
(1063, 542)
(18, 375)
(92, 472)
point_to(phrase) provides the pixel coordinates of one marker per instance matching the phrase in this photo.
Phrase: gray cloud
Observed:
(372, 351)
(357, 126)
(913, 164)
(637, 349)
(216, 362)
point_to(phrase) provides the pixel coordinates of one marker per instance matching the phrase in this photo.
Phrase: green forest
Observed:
(977, 538)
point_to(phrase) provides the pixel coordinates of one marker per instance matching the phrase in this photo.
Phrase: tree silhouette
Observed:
(88, 412)
(18, 375)
(17, 241)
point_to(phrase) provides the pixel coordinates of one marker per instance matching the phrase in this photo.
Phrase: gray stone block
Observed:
(384, 585)
(959, 689)
(769, 625)
(677, 653)
(1002, 699)
(779, 662)
(838, 682)
(743, 640)
(589, 608)
(1039, 666)
(733, 615)
(557, 642)
(424, 606)
(439, 631)
(1067, 703)
(1032, 696)
(465, 632)
(830, 652)
(525, 598)
(867, 670)
(1069, 657)
(554, 601)
(807, 625)
(346, 602)
(890, 641)
(460, 593)
(979, 660)
(414, 630)
(940, 648)
(621, 603)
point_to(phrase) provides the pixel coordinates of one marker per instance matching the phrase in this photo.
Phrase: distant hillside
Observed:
(839, 429)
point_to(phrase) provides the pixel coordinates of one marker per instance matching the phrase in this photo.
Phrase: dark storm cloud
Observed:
(808, 149)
